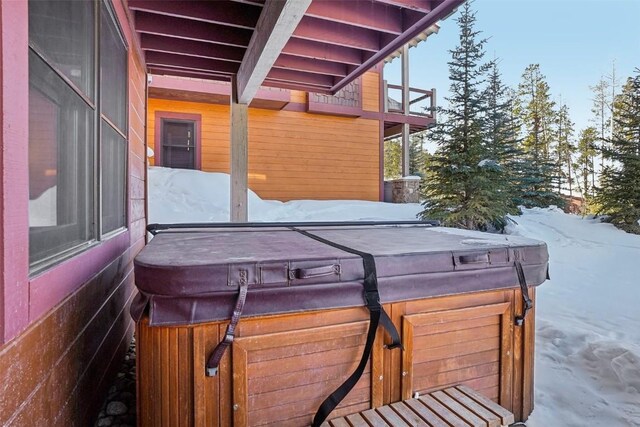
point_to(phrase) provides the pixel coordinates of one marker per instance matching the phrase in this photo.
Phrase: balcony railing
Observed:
(421, 102)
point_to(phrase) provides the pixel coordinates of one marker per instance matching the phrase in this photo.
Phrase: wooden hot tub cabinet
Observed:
(281, 367)
(454, 297)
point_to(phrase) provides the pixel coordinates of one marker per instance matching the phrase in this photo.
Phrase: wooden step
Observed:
(454, 406)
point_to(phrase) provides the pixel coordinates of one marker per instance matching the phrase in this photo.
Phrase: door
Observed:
(178, 144)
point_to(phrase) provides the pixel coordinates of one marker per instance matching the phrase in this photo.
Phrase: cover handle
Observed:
(310, 273)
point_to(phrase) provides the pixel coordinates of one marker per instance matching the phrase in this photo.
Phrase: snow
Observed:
(42, 210)
(587, 367)
(150, 152)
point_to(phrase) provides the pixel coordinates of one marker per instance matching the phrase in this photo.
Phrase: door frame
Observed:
(157, 139)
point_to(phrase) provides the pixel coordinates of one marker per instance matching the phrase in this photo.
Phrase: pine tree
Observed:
(418, 157)
(501, 141)
(392, 158)
(583, 165)
(536, 111)
(619, 195)
(459, 189)
(600, 119)
(565, 149)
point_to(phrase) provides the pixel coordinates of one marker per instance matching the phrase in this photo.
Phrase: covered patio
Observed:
(315, 46)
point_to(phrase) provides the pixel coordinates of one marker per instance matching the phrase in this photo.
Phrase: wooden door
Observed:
(178, 144)
(470, 346)
(281, 378)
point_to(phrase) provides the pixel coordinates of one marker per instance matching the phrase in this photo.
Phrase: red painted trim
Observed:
(14, 164)
(159, 115)
(214, 88)
(412, 120)
(54, 285)
(382, 94)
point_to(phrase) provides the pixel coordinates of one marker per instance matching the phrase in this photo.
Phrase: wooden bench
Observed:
(454, 406)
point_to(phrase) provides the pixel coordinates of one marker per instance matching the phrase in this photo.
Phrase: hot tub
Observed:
(454, 296)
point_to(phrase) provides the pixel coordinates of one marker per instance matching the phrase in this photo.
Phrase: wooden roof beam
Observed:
(151, 42)
(296, 63)
(323, 51)
(339, 34)
(306, 78)
(275, 26)
(424, 6)
(191, 30)
(160, 70)
(190, 63)
(222, 13)
(370, 15)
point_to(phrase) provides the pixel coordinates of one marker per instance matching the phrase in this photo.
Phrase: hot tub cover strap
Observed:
(377, 316)
(218, 352)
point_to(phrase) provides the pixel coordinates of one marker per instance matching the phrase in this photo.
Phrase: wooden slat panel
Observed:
(304, 348)
(427, 414)
(454, 377)
(506, 416)
(459, 409)
(407, 414)
(356, 420)
(461, 349)
(455, 363)
(458, 325)
(374, 419)
(391, 416)
(460, 336)
(491, 418)
(452, 419)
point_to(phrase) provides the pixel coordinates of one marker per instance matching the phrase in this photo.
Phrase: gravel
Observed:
(119, 409)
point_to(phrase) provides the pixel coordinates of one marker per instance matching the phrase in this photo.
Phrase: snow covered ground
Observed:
(588, 314)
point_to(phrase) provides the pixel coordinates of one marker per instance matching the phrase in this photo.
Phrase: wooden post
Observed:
(405, 110)
(239, 146)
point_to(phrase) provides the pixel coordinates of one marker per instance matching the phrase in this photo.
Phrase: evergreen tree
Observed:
(600, 119)
(418, 157)
(459, 189)
(619, 195)
(565, 149)
(501, 141)
(536, 111)
(392, 158)
(583, 166)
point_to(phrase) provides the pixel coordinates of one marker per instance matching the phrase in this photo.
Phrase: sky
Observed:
(574, 41)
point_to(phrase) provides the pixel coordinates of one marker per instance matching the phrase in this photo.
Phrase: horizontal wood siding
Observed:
(292, 154)
(57, 372)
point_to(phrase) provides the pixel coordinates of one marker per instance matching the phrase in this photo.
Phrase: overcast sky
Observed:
(574, 41)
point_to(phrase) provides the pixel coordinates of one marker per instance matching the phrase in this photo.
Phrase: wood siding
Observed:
(280, 368)
(293, 154)
(58, 369)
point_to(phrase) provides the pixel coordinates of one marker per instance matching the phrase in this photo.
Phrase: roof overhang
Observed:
(312, 45)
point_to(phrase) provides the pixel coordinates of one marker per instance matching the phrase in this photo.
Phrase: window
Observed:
(77, 145)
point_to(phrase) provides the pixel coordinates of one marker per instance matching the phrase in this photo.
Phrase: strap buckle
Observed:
(372, 298)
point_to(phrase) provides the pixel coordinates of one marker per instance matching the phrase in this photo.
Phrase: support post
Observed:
(239, 146)
(405, 110)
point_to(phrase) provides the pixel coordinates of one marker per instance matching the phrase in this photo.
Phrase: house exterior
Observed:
(74, 133)
(303, 145)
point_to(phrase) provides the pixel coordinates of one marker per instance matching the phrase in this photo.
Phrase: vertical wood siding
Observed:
(292, 154)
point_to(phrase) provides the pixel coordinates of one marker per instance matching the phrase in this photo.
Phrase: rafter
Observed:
(370, 15)
(339, 34)
(222, 13)
(424, 6)
(191, 30)
(323, 51)
(297, 63)
(291, 76)
(190, 63)
(150, 42)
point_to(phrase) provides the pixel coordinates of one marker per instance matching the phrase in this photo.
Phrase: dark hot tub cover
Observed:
(193, 276)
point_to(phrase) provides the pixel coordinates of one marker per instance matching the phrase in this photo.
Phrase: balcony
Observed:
(420, 114)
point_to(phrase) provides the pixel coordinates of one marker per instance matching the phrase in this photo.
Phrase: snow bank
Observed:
(179, 195)
(588, 322)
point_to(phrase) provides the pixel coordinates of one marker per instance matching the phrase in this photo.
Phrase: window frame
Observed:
(94, 219)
